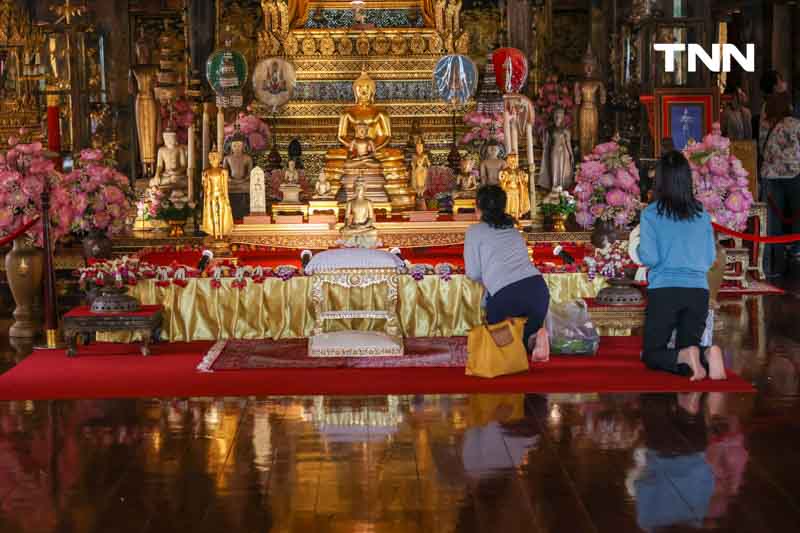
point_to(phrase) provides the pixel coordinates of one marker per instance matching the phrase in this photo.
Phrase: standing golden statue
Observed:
(514, 181)
(420, 163)
(217, 214)
(381, 168)
(143, 82)
(587, 93)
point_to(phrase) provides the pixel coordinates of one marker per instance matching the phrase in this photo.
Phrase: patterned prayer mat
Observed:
(293, 353)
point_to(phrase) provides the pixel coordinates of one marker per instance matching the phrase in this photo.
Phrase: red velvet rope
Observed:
(782, 239)
(25, 227)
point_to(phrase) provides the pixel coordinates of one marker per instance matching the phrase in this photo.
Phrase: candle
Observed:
(206, 134)
(190, 165)
(220, 130)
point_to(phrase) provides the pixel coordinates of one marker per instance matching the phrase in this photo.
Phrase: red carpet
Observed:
(117, 371)
(756, 288)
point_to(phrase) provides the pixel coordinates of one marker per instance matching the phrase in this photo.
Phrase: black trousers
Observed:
(528, 297)
(669, 309)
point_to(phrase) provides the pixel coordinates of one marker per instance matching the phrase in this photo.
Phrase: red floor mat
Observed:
(117, 371)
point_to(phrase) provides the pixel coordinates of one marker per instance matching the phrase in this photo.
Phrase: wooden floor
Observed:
(561, 463)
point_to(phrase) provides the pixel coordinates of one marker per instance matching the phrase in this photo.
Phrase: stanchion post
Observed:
(50, 298)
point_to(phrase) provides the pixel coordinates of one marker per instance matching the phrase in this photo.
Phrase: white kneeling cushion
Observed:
(352, 258)
(355, 344)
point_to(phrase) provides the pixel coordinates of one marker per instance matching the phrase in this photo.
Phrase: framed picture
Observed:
(683, 115)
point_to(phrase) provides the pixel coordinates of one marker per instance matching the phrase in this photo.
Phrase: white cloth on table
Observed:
(352, 258)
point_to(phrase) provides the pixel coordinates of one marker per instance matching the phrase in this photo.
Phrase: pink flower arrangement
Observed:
(483, 127)
(97, 197)
(253, 128)
(24, 170)
(182, 117)
(607, 187)
(553, 95)
(720, 180)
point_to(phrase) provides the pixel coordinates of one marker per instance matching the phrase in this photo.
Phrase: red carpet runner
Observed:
(118, 371)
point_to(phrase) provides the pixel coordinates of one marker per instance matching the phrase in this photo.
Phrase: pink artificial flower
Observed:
(718, 166)
(615, 198)
(737, 202)
(101, 219)
(598, 209)
(607, 180)
(13, 141)
(32, 186)
(113, 195)
(606, 148)
(91, 154)
(592, 169)
(257, 141)
(6, 220)
(42, 166)
(621, 218)
(584, 219)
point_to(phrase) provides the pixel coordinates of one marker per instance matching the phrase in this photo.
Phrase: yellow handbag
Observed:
(497, 350)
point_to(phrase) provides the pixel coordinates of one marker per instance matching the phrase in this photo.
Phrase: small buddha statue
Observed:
(258, 196)
(492, 165)
(514, 181)
(361, 149)
(359, 221)
(239, 164)
(465, 181)
(291, 176)
(322, 189)
(171, 163)
(558, 160)
(420, 163)
(217, 214)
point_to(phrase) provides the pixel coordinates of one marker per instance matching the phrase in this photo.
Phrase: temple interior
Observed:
(392, 266)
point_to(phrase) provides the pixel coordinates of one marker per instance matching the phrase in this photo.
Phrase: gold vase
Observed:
(559, 222)
(24, 268)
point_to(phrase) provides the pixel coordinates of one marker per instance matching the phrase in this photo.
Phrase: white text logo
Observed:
(718, 61)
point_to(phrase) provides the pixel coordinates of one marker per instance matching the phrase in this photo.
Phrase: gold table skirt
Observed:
(279, 309)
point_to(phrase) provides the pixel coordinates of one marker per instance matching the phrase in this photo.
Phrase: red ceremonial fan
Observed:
(513, 61)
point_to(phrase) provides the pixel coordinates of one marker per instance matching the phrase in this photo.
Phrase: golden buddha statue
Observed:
(514, 181)
(217, 214)
(420, 163)
(364, 132)
(359, 221)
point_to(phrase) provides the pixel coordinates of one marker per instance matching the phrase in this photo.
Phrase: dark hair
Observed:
(492, 203)
(674, 191)
(769, 81)
(779, 106)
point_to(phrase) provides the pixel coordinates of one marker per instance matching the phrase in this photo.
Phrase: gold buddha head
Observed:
(364, 88)
(512, 161)
(419, 145)
(214, 158)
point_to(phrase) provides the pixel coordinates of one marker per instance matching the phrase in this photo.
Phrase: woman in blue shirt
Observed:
(677, 245)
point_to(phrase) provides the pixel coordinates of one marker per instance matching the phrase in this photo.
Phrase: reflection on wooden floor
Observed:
(515, 463)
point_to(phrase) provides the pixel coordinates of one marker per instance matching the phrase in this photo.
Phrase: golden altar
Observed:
(277, 309)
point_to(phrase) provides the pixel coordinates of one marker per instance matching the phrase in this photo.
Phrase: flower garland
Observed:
(720, 180)
(607, 187)
(610, 262)
(100, 198)
(553, 95)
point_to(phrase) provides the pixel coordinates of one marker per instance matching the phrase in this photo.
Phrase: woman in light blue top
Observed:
(677, 245)
(495, 254)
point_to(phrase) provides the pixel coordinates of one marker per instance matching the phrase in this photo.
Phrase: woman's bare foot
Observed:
(716, 364)
(691, 356)
(541, 352)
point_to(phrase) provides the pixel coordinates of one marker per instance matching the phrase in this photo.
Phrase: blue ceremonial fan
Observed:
(456, 79)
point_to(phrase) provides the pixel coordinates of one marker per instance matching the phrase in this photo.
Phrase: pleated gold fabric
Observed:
(279, 309)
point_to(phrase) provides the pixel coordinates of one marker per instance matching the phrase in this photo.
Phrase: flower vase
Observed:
(24, 268)
(176, 228)
(559, 222)
(97, 245)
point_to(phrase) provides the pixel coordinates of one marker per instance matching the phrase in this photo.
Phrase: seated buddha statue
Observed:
(359, 221)
(364, 132)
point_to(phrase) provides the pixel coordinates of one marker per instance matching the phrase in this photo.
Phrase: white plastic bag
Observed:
(571, 330)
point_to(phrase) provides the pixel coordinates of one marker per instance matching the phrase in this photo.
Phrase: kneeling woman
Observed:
(496, 255)
(677, 245)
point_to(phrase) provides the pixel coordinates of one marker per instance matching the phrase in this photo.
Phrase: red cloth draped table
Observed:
(82, 320)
